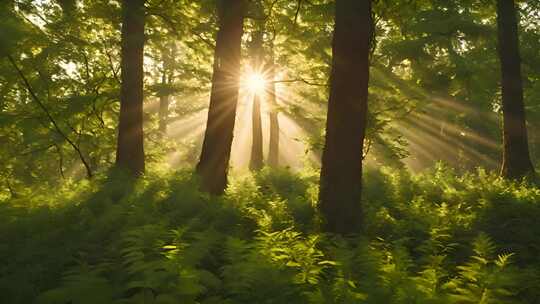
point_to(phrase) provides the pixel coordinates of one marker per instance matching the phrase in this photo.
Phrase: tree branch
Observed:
(297, 11)
(306, 81)
(49, 116)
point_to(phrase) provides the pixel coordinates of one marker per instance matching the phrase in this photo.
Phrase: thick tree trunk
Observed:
(516, 159)
(256, 162)
(216, 150)
(130, 152)
(341, 172)
(273, 149)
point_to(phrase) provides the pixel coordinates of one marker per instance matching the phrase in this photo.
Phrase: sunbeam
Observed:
(255, 82)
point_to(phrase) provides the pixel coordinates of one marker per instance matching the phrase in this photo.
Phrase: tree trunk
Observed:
(216, 150)
(273, 149)
(163, 114)
(256, 162)
(68, 7)
(516, 159)
(163, 106)
(130, 152)
(341, 172)
(535, 142)
(167, 77)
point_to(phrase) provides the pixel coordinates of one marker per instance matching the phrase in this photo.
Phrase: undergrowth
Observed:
(430, 238)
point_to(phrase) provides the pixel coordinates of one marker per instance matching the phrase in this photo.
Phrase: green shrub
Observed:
(431, 238)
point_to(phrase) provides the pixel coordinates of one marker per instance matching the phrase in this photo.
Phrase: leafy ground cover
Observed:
(436, 237)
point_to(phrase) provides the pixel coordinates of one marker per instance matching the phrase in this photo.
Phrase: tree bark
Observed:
(216, 150)
(163, 106)
(256, 162)
(130, 151)
(167, 78)
(163, 114)
(516, 159)
(273, 149)
(341, 172)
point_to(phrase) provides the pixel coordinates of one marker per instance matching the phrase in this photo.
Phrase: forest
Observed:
(269, 151)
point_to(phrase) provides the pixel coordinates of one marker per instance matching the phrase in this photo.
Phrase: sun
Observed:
(255, 82)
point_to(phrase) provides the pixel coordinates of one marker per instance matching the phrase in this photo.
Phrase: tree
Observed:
(216, 150)
(130, 152)
(164, 103)
(9, 42)
(166, 82)
(68, 6)
(341, 172)
(256, 161)
(516, 159)
(273, 149)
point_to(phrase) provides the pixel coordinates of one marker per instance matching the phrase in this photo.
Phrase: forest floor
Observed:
(436, 237)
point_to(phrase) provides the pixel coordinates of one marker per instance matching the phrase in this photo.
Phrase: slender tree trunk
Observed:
(516, 159)
(213, 165)
(166, 82)
(273, 149)
(163, 114)
(163, 106)
(130, 152)
(60, 160)
(256, 162)
(341, 172)
(535, 144)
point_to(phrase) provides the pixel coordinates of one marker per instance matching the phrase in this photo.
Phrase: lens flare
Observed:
(255, 82)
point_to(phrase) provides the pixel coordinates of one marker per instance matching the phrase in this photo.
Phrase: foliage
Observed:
(434, 233)
(432, 238)
(434, 70)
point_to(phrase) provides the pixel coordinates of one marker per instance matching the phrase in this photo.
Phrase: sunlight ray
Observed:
(185, 126)
(241, 146)
(451, 128)
(426, 146)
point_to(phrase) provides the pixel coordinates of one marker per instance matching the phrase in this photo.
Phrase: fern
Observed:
(81, 285)
(161, 241)
(487, 278)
